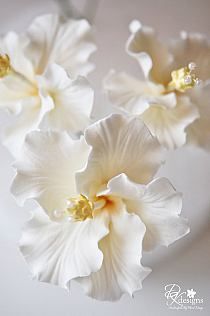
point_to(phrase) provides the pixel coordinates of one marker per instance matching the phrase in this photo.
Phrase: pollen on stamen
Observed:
(80, 208)
(183, 78)
(5, 66)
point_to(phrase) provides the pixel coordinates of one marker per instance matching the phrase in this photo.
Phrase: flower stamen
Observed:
(5, 65)
(183, 78)
(80, 208)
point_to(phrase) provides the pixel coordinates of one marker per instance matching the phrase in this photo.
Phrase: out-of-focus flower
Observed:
(39, 77)
(174, 98)
(101, 204)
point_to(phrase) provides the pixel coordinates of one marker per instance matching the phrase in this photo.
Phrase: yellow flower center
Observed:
(5, 66)
(80, 208)
(183, 79)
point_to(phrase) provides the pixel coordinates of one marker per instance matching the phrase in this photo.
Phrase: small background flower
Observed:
(40, 80)
(172, 97)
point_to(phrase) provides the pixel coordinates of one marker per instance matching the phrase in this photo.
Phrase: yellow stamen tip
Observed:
(183, 78)
(5, 66)
(80, 208)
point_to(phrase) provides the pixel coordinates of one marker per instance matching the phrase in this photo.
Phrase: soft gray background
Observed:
(187, 262)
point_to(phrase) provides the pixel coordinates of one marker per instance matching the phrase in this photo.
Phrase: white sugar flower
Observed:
(34, 78)
(100, 205)
(174, 98)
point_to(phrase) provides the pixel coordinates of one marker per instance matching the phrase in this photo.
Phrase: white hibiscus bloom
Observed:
(100, 206)
(34, 78)
(169, 99)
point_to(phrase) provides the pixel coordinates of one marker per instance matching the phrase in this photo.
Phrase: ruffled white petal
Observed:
(65, 42)
(121, 271)
(157, 204)
(26, 121)
(46, 169)
(195, 48)
(14, 46)
(121, 186)
(119, 144)
(14, 93)
(152, 55)
(159, 210)
(135, 96)
(73, 100)
(198, 133)
(58, 252)
(169, 124)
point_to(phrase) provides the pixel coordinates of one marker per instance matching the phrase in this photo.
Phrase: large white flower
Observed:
(39, 78)
(97, 193)
(169, 100)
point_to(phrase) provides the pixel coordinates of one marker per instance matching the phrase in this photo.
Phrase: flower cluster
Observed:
(99, 205)
(42, 81)
(173, 99)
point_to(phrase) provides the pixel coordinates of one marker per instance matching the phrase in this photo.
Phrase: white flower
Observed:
(169, 99)
(98, 193)
(39, 78)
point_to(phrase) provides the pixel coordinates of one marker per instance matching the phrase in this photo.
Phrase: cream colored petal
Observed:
(192, 47)
(59, 252)
(46, 169)
(135, 96)
(73, 100)
(159, 209)
(14, 46)
(169, 125)
(119, 144)
(198, 133)
(66, 42)
(152, 55)
(27, 120)
(157, 204)
(14, 93)
(121, 186)
(126, 92)
(121, 271)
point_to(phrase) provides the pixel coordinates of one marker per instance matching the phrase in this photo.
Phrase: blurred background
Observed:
(186, 262)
